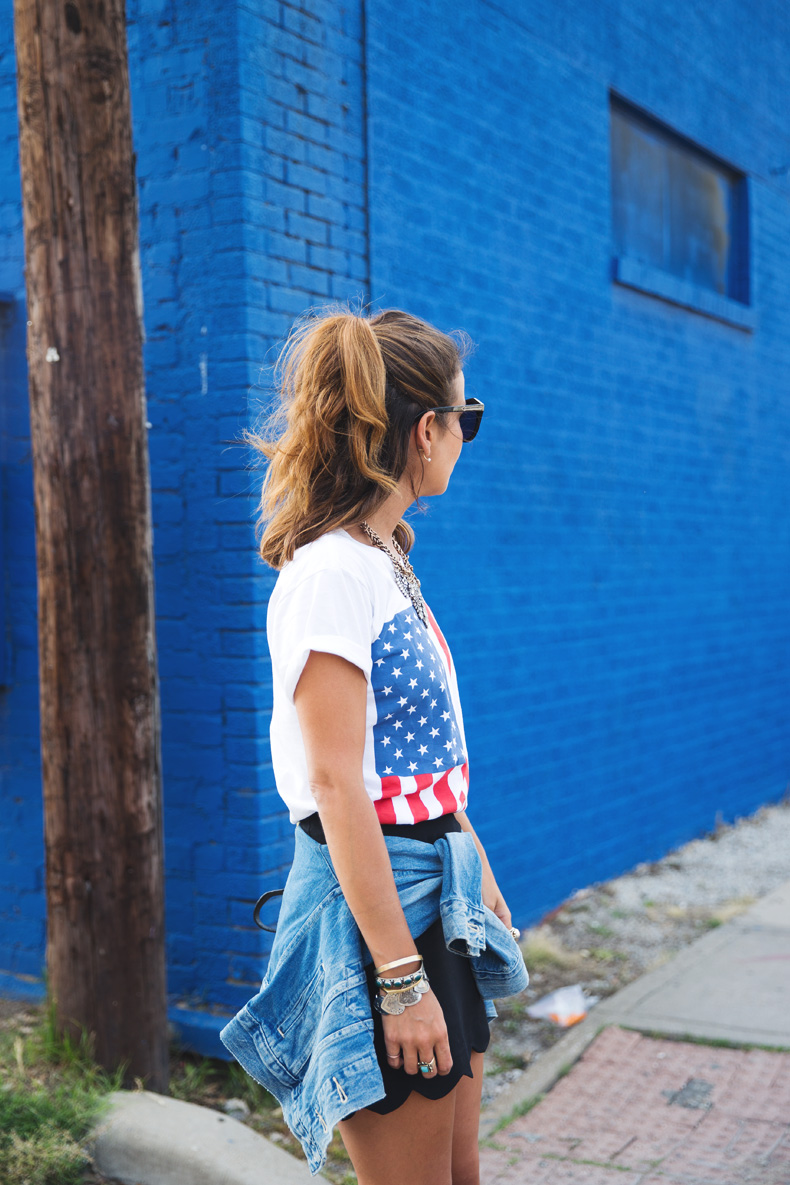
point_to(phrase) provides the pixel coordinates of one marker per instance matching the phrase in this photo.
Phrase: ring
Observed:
(427, 1067)
(516, 933)
(393, 1055)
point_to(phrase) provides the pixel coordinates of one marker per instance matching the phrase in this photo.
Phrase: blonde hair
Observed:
(350, 387)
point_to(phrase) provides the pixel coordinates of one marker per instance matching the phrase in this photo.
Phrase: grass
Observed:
(542, 949)
(732, 909)
(522, 1108)
(210, 1081)
(603, 1164)
(602, 931)
(603, 955)
(506, 1061)
(713, 1042)
(51, 1095)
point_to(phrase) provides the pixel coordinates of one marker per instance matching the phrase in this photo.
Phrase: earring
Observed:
(423, 453)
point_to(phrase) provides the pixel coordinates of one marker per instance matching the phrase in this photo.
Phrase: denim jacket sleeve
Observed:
(471, 928)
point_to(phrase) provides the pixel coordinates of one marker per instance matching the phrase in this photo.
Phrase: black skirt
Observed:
(451, 979)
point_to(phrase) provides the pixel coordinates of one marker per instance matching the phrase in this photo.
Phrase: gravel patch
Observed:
(607, 935)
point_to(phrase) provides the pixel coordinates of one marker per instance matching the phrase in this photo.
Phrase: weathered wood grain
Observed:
(97, 655)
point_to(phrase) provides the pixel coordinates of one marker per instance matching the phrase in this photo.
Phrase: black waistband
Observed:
(427, 830)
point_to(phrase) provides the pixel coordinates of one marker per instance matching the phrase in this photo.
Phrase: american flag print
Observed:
(418, 740)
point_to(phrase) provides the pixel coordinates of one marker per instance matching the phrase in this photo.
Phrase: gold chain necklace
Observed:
(405, 576)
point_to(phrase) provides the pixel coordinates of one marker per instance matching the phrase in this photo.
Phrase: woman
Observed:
(368, 751)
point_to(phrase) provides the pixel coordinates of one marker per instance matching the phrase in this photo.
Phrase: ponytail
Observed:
(349, 389)
(361, 395)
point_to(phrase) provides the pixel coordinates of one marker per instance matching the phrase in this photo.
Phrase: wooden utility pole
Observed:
(97, 657)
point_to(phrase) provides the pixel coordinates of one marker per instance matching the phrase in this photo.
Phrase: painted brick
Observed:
(600, 503)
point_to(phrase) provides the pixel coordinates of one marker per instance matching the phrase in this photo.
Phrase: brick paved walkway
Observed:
(639, 1111)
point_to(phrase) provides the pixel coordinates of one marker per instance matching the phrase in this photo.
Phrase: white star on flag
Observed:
(430, 744)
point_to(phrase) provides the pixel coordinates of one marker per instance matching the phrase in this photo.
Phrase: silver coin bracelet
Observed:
(400, 991)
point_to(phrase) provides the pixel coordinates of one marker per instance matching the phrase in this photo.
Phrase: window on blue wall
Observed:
(676, 208)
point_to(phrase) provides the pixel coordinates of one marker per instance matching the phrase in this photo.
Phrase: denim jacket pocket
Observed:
(287, 1026)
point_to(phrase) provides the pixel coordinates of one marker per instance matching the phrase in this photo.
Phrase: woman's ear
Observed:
(425, 432)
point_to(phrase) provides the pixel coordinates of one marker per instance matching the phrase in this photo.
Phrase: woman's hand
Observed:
(419, 1033)
(492, 897)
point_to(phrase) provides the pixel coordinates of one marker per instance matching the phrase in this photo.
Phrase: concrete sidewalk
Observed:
(641, 1110)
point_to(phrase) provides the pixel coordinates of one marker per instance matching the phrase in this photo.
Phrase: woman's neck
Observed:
(383, 520)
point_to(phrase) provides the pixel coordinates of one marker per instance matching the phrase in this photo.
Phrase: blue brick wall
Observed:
(618, 612)
(264, 216)
(624, 508)
(219, 844)
(22, 914)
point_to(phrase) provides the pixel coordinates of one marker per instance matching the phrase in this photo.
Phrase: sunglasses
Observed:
(471, 415)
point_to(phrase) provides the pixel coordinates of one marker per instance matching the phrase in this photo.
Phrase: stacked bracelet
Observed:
(399, 992)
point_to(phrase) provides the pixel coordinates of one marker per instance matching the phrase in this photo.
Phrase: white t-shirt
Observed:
(338, 595)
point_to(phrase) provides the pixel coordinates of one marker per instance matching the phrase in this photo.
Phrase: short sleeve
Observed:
(329, 610)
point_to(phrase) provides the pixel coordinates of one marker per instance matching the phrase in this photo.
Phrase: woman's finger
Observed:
(427, 1058)
(444, 1059)
(503, 913)
(499, 907)
(410, 1059)
(394, 1058)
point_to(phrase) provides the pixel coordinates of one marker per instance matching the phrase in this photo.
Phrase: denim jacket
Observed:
(307, 1036)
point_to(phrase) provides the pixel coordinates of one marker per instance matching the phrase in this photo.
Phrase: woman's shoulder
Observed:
(334, 551)
(330, 590)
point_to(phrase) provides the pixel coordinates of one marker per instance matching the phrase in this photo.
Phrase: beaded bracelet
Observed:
(400, 985)
(400, 980)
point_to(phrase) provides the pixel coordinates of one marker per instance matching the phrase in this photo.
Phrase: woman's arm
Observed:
(492, 896)
(331, 700)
